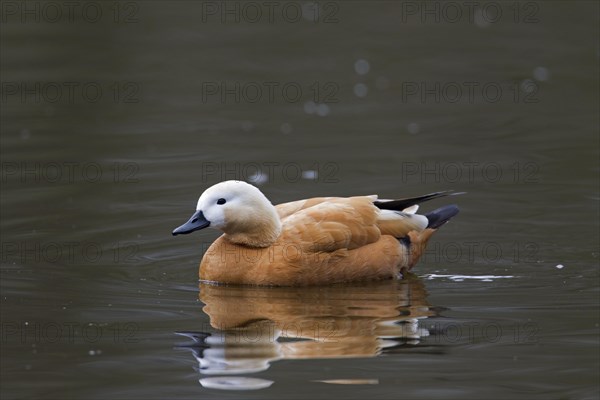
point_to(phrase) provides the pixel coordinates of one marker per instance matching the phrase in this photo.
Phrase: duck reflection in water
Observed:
(258, 325)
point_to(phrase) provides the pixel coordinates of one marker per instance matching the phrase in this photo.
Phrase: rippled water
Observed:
(114, 123)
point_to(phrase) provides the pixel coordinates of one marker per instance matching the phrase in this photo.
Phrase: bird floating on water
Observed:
(316, 241)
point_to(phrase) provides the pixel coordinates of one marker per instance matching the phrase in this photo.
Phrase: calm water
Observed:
(115, 117)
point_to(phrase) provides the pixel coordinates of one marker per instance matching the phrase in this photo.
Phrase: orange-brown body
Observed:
(322, 241)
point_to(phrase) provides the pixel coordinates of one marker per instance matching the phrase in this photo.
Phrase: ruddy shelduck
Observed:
(316, 241)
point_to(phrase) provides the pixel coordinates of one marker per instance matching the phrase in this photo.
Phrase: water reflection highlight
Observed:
(252, 327)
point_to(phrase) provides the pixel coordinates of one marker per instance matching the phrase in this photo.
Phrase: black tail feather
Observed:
(401, 204)
(441, 215)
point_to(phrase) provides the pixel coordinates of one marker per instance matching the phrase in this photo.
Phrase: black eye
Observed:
(221, 201)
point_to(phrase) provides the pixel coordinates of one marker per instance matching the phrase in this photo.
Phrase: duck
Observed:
(315, 241)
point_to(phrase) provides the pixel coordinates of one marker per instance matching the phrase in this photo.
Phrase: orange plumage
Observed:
(309, 242)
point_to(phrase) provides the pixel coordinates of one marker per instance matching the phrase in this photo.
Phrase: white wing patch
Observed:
(404, 220)
(411, 210)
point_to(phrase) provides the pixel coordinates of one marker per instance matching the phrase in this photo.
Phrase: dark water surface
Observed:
(116, 117)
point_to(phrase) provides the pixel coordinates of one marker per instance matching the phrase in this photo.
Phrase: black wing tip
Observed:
(440, 216)
(401, 204)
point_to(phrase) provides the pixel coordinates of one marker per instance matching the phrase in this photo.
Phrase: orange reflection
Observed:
(258, 325)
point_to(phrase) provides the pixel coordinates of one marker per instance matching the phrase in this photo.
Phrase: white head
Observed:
(238, 209)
